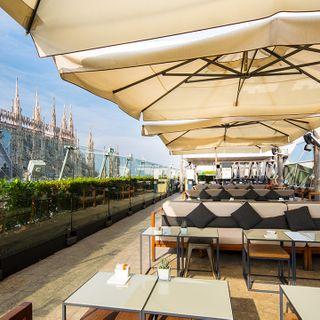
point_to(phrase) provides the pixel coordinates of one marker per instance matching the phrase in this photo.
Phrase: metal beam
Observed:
(179, 84)
(175, 139)
(296, 125)
(272, 128)
(277, 60)
(152, 76)
(282, 58)
(222, 66)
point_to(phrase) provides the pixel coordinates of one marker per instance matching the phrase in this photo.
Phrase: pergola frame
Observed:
(231, 73)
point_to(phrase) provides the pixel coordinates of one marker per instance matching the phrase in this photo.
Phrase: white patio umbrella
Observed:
(183, 59)
(60, 26)
(255, 134)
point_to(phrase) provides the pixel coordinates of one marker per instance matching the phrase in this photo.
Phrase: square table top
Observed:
(201, 233)
(166, 231)
(194, 298)
(259, 234)
(96, 292)
(305, 300)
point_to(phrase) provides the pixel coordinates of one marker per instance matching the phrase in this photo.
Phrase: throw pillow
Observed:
(246, 216)
(300, 219)
(251, 195)
(201, 216)
(278, 222)
(272, 195)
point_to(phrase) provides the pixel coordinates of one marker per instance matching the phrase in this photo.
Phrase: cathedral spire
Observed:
(37, 110)
(71, 127)
(90, 142)
(63, 127)
(16, 108)
(53, 115)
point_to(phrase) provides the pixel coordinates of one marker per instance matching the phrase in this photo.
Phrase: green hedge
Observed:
(18, 194)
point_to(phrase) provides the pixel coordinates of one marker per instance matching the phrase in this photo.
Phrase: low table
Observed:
(152, 232)
(97, 293)
(314, 239)
(190, 298)
(211, 233)
(304, 301)
(263, 251)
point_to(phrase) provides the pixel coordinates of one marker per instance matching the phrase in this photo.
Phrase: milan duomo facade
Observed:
(23, 139)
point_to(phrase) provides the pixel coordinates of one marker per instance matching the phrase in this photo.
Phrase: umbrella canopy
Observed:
(60, 26)
(183, 59)
(254, 134)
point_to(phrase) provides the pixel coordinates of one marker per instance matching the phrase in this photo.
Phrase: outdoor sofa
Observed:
(231, 217)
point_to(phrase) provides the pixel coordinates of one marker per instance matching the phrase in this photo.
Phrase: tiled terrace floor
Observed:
(47, 283)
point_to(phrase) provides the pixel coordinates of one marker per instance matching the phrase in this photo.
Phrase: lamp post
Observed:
(68, 148)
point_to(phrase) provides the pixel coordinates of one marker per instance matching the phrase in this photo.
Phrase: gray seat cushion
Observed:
(200, 240)
(272, 195)
(246, 216)
(251, 195)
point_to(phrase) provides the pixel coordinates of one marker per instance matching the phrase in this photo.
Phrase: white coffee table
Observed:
(97, 293)
(304, 301)
(191, 298)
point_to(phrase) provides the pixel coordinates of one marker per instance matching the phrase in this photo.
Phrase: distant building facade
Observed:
(23, 139)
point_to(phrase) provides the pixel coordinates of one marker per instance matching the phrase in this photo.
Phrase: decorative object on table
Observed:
(184, 227)
(164, 270)
(231, 199)
(121, 274)
(158, 231)
(271, 234)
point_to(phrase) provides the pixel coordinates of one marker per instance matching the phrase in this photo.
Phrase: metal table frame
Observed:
(149, 244)
(246, 265)
(282, 294)
(180, 251)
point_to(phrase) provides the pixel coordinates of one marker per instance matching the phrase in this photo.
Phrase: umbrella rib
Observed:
(307, 48)
(290, 67)
(152, 76)
(222, 66)
(282, 58)
(177, 138)
(277, 60)
(296, 125)
(272, 128)
(301, 121)
(179, 84)
(33, 15)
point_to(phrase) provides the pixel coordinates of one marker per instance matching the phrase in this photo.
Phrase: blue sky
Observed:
(18, 58)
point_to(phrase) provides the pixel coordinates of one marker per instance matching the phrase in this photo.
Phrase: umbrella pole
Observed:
(280, 169)
(316, 168)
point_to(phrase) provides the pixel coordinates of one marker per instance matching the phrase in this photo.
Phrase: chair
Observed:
(200, 244)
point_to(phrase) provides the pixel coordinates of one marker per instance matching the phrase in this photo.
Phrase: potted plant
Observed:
(164, 270)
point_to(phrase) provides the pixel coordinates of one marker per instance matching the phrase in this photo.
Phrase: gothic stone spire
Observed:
(16, 107)
(53, 116)
(71, 127)
(37, 110)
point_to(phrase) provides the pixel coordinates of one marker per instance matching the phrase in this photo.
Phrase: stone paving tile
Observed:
(47, 283)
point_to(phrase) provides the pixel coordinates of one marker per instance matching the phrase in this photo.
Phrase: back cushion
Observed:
(286, 194)
(269, 209)
(179, 208)
(314, 207)
(259, 186)
(223, 209)
(214, 186)
(238, 193)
